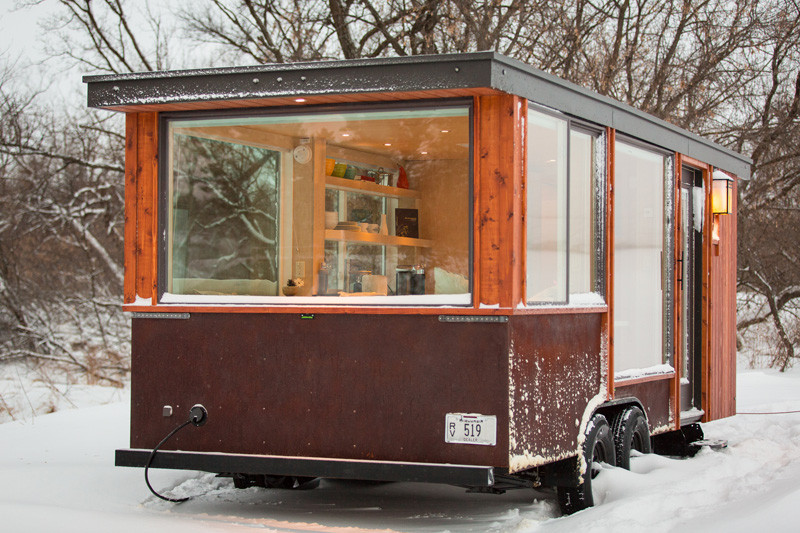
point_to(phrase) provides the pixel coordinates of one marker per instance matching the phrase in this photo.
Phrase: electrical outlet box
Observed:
(300, 269)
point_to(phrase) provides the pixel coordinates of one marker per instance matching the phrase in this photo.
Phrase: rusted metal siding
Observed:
(352, 387)
(558, 375)
(655, 398)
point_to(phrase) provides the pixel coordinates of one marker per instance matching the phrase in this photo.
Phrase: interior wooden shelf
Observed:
(375, 238)
(367, 187)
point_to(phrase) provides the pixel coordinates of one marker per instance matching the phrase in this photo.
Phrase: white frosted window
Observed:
(638, 247)
(581, 213)
(546, 215)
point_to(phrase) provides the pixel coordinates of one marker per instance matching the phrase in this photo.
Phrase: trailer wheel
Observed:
(598, 447)
(630, 433)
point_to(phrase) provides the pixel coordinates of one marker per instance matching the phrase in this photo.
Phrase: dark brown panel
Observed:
(557, 367)
(655, 397)
(352, 387)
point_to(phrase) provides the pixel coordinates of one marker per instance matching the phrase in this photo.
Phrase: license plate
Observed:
(470, 428)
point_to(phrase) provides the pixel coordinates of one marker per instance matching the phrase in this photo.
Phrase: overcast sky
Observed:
(22, 42)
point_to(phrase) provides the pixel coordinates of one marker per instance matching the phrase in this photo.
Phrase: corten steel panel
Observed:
(655, 398)
(341, 386)
(557, 366)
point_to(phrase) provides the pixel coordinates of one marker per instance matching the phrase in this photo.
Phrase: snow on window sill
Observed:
(434, 300)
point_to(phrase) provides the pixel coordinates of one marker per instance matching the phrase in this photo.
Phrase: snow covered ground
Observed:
(57, 474)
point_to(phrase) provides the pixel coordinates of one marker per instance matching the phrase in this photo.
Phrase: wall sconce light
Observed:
(721, 194)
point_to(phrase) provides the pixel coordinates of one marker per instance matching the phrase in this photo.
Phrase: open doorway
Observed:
(691, 269)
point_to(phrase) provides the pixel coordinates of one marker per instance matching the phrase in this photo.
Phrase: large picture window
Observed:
(363, 206)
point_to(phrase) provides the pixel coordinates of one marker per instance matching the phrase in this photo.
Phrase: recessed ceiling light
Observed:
(299, 100)
(445, 131)
(387, 144)
(424, 153)
(345, 135)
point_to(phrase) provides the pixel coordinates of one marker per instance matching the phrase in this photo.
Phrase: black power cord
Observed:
(198, 415)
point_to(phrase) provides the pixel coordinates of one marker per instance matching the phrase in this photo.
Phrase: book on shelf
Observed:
(406, 222)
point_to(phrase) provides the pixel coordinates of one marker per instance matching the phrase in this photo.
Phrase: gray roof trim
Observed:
(515, 77)
(400, 74)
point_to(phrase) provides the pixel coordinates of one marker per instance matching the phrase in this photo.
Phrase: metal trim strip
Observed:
(466, 475)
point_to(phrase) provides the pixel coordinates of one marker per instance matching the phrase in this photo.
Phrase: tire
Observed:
(630, 433)
(598, 447)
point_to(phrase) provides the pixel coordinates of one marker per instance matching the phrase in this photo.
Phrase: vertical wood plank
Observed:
(131, 164)
(477, 111)
(608, 323)
(318, 217)
(146, 189)
(705, 332)
(722, 319)
(500, 246)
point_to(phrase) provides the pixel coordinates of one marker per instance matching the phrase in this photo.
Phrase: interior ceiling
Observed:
(408, 139)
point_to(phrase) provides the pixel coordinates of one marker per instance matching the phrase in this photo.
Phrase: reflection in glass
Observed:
(225, 217)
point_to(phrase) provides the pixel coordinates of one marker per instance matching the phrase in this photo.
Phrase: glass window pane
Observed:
(546, 276)
(366, 206)
(225, 217)
(638, 247)
(581, 213)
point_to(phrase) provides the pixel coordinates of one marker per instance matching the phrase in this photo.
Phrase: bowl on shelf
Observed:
(290, 290)
(331, 219)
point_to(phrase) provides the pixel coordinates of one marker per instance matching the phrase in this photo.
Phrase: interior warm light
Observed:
(721, 194)
(445, 131)
(299, 100)
(387, 144)
(423, 153)
(345, 135)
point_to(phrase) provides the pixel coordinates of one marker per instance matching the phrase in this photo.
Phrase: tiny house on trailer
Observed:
(452, 269)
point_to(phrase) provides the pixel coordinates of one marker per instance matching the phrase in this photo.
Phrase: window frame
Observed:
(600, 204)
(163, 191)
(668, 250)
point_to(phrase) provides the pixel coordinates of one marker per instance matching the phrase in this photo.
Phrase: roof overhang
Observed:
(432, 76)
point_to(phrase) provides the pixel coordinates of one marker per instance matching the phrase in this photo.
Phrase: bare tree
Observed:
(725, 69)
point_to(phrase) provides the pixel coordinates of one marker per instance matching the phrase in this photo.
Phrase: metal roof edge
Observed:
(271, 68)
(515, 77)
(487, 69)
(403, 74)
